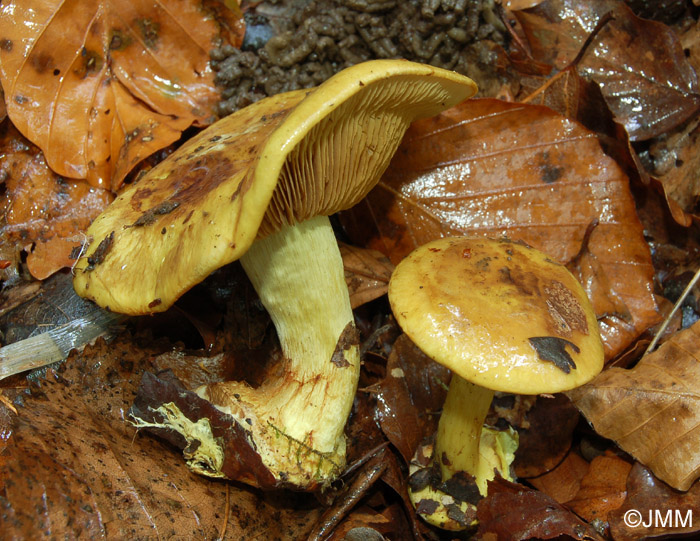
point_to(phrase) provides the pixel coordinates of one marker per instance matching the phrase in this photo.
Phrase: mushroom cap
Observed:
(277, 162)
(498, 313)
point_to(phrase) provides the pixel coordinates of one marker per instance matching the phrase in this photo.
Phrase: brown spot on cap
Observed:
(565, 309)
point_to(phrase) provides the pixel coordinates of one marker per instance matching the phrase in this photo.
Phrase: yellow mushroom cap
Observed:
(498, 313)
(277, 162)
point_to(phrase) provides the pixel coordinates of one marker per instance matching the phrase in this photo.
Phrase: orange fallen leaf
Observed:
(42, 209)
(492, 168)
(603, 489)
(563, 482)
(652, 411)
(98, 86)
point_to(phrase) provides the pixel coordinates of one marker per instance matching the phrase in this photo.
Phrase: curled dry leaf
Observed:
(99, 86)
(367, 273)
(43, 212)
(662, 510)
(75, 468)
(492, 168)
(652, 411)
(639, 64)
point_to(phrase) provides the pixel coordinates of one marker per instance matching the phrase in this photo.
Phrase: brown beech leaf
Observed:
(652, 411)
(410, 397)
(515, 512)
(639, 64)
(563, 482)
(653, 509)
(74, 468)
(564, 92)
(43, 212)
(488, 167)
(547, 438)
(677, 160)
(603, 489)
(98, 86)
(367, 273)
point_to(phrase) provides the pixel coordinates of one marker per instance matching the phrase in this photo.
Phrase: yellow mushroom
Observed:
(257, 186)
(503, 317)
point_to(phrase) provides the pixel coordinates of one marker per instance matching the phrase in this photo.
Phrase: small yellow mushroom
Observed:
(503, 317)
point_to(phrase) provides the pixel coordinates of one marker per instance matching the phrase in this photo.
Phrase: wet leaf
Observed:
(661, 509)
(512, 511)
(75, 468)
(44, 213)
(98, 86)
(367, 273)
(492, 168)
(639, 64)
(603, 488)
(652, 411)
(410, 397)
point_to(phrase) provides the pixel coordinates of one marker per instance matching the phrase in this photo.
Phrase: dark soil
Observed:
(291, 44)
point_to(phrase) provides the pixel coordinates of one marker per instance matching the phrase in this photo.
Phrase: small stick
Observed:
(673, 311)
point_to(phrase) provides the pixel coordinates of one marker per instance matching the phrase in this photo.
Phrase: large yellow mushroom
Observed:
(257, 186)
(503, 317)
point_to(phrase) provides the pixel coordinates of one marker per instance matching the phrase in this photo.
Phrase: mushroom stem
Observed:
(297, 417)
(460, 427)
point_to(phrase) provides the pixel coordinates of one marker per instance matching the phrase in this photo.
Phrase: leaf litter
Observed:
(394, 409)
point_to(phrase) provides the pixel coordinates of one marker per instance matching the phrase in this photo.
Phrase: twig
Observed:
(222, 531)
(673, 311)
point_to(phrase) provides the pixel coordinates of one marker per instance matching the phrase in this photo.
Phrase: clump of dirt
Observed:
(293, 44)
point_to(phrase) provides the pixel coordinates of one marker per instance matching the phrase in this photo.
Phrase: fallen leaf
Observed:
(367, 273)
(99, 86)
(410, 397)
(563, 482)
(677, 161)
(547, 439)
(75, 468)
(43, 211)
(639, 64)
(603, 489)
(652, 411)
(515, 512)
(653, 509)
(492, 168)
